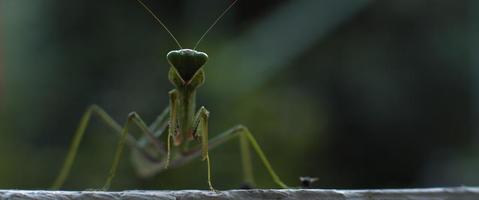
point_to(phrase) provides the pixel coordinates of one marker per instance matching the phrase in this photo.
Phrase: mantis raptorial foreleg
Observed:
(201, 119)
(156, 127)
(172, 130)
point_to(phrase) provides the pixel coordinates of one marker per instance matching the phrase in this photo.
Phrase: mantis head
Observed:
(186, 67)
(186, 64)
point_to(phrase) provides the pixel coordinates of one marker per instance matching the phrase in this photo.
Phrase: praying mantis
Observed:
(180, 120)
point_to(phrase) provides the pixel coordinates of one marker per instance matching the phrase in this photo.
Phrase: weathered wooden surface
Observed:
(457, 193)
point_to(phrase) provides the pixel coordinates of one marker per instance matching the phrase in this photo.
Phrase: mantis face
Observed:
(186, 67)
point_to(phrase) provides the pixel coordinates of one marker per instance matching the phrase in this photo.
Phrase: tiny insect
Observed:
(180, 120)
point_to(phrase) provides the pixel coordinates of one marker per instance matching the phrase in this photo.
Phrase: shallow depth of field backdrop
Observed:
(362, 94)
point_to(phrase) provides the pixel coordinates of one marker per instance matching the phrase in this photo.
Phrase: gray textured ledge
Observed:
(457, 193)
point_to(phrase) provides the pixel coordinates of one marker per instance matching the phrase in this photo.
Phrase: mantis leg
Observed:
(159, 125)
(202, 131)
(93, 109)
(172, 123)
(245, 138)
(135, 119)
(78, 136)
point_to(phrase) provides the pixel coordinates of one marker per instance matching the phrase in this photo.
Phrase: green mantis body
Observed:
(180, 120)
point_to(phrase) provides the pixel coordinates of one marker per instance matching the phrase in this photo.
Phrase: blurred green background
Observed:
(361, 94)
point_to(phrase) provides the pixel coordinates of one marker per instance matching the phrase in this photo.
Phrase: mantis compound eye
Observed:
(187, 62)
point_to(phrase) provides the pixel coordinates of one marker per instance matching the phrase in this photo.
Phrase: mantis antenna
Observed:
(159, 21)
(214, 23)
